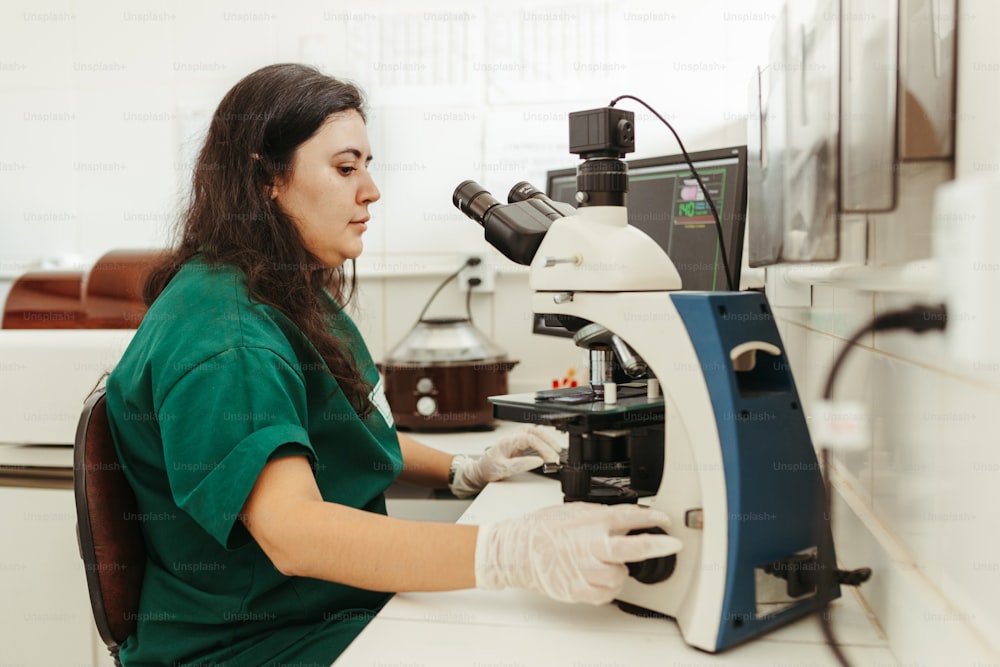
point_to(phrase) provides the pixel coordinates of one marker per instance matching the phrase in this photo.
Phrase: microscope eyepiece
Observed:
(473, 200)
(526, 192)
(515, 229)
(523, 191)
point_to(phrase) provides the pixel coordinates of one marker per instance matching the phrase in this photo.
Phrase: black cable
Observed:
(708, 197)
(827, 566)
(918, 319)
(473, 282)
(441, 287)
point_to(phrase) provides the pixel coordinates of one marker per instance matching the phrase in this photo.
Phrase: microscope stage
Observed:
(570, 408)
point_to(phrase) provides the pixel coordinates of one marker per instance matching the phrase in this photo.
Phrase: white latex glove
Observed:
(573, 553)
(505, 458)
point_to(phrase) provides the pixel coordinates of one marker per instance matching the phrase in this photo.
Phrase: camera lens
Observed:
(604, 180)
(473, 200)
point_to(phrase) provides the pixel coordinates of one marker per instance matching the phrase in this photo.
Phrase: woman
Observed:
(252, 425)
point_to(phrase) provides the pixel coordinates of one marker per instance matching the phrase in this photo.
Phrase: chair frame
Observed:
(109, 533)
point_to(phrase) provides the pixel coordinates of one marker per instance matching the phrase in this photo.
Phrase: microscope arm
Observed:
(740, 478)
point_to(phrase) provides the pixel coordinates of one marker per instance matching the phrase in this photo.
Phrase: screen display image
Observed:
(665, 201)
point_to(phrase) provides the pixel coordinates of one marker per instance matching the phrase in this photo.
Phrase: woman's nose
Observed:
(369, 192)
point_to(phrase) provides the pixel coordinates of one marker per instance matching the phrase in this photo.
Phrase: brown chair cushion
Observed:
(108, 521)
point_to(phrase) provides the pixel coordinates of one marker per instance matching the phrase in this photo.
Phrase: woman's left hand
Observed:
(505, 458)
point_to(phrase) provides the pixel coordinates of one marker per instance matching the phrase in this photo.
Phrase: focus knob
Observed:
(652, 570)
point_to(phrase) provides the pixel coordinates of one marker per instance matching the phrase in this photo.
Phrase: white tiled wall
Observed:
(928, 484)
(921, 503)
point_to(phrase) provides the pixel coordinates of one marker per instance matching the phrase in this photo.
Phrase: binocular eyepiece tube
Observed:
(517, 228)
(473, 200)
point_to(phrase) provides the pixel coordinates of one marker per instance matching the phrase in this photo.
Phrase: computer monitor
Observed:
(664, 201)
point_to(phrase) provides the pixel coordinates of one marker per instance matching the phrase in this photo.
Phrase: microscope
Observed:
(691, 400)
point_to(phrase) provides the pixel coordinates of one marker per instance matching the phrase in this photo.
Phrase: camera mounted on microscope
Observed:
(601, 137)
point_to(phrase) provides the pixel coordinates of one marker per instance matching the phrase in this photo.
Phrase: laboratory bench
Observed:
(511, 628)
(45, 593)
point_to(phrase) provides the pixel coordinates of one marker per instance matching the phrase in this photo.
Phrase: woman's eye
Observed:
(346, 171)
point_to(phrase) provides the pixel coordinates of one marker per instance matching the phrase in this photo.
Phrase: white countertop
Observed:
(517, 628)
(470, 443)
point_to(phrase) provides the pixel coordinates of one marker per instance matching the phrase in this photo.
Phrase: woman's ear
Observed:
(275, 187)
(270, 189)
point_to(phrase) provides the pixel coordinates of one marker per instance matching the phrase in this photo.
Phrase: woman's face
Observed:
(328, 189)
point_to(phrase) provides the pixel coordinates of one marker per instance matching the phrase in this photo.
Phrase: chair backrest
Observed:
(108, 527)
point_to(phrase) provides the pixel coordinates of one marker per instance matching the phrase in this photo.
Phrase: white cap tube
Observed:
(652, 388)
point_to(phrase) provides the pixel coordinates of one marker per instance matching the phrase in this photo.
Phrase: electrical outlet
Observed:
(965, 242)
(477, 277)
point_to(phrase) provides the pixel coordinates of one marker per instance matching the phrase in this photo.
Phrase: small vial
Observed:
(652, 388)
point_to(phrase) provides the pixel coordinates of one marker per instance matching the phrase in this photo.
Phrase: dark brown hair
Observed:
(232, 220)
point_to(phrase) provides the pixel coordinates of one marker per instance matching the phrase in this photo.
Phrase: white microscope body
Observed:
(727, 443)
(596, 267)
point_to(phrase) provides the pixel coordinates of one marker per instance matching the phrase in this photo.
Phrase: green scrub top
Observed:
(212, 386)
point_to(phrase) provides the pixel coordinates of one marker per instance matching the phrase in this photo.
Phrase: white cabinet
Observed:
(44, 607)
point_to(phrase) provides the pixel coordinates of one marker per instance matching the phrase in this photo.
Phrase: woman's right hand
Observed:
(576, 552)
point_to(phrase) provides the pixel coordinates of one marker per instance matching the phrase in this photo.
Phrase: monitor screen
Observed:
(664, 201)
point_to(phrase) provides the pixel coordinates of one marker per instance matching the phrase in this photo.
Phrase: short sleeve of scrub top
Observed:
(212, 470)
